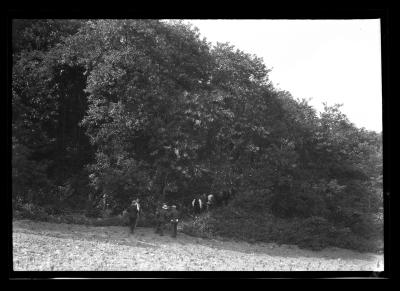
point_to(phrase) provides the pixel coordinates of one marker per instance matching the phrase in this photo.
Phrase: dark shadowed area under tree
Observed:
(105, 111)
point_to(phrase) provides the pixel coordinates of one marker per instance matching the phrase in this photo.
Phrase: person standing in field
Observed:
(173, 216)
(162, 218)
(133, 214)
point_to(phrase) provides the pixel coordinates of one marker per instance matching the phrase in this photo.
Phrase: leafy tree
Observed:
(108, 110)
(42, 107)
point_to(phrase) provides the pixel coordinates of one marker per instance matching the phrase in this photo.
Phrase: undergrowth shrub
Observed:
(31, 211)
(201, 226)
(315, 232)
(94, 212)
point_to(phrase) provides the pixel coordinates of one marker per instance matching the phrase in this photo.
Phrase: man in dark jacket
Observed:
(173, 217)
(133, 214)
(162, 218)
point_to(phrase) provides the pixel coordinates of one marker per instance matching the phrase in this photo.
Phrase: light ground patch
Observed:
(41, 246)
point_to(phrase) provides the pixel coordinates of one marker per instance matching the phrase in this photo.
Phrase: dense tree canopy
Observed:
(118, 109)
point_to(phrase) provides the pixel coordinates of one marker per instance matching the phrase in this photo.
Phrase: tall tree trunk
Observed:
(164, 186)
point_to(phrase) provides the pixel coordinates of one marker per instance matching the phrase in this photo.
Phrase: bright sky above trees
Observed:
(333, 61)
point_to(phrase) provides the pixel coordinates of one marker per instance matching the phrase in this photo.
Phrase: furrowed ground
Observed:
(49, 246)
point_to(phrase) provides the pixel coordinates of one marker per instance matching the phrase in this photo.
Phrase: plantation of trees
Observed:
(104, 111)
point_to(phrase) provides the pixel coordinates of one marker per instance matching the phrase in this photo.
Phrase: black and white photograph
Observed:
(197, 145)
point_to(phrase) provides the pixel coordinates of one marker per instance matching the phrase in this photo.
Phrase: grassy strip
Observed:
(36, 213)
(313, 233)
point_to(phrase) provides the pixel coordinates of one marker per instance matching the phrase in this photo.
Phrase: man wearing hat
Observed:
(161, 216)
(173, 216)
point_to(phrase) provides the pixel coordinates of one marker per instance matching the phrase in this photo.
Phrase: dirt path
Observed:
(49, 246)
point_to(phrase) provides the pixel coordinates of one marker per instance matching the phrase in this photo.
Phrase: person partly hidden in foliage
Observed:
(220, 198)
(133, 214)
(210, 202)
(174, 219)
(161, 219)
(197, 206)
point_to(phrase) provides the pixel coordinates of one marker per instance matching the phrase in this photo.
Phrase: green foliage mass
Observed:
(108, 110)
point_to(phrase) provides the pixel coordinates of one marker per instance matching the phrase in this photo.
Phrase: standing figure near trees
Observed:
(161, 219)
(133, 214)
(220, 198)
(197, 206)
(174, 218)
(225, 196)
(210, 202)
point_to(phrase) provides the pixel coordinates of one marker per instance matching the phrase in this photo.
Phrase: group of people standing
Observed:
(206, 202)
(167, 215)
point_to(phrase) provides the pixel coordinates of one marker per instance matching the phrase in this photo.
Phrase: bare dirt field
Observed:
(41, 246)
